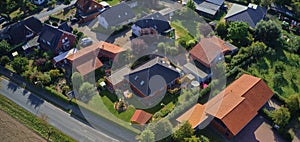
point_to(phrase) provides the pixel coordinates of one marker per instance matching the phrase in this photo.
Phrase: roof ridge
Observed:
(238, 11)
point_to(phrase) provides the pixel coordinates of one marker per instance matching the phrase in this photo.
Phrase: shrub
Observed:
(54, 24)
(79, 35)
(4, 60)
(66, 2)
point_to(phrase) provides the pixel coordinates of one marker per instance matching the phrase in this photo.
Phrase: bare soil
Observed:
(13, 131)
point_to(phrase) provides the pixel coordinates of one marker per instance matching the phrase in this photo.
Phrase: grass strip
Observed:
(34, 123)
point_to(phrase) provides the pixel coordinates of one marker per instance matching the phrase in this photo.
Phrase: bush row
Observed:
(32, 122)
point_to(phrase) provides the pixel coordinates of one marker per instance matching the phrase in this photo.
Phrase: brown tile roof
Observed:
(194, 115)
(209, 48)
(89, 66)
(238, 103)
(86, 60)
(140, 117)
(110, 47)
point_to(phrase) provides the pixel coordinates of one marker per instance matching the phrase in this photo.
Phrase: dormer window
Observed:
(48, 43)
(95, 6)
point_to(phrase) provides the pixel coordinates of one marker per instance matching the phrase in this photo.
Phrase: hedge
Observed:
(57, 94)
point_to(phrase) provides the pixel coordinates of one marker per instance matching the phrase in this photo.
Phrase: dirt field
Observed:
(13, 131)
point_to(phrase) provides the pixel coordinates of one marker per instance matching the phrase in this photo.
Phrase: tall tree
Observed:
(190, 4)
(281, 116)
(86, 91)
(257, 49)
(268, 32)
(77, 80)
(161, 129)
(20, 64)
(147, 136)
(221, 29)
(4, 47)
(238, 33)
(185, 131)
(293, 103)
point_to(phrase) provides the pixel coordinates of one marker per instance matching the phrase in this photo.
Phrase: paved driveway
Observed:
(258, 130)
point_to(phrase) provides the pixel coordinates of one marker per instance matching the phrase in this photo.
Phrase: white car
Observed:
(86, 41)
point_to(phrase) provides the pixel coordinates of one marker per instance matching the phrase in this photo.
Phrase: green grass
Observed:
(31, 121)
(110, 2)
(265, 69)
(97, 106)
(106, 100)
(16, 13)
(181, 32)
(64, 15)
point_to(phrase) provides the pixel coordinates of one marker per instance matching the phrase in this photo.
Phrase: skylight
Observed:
(142, 82)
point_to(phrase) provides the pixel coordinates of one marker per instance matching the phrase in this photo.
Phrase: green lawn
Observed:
(110, 2)
(63, 15)
(180, 31)
(106, 100)
(31, 121)
(16, 13)
(265, 68)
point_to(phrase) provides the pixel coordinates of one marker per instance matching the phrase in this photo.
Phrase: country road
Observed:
(56, 117)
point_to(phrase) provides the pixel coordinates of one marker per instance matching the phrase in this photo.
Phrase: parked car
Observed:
(86, 41)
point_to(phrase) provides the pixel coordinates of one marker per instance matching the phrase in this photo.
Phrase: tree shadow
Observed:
(35, 101)
(13, 87)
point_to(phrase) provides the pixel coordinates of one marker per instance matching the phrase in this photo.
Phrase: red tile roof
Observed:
(208, 49)
(194, 115)
(110, 47)
(86, 60)
(237, 104)
(140, 117)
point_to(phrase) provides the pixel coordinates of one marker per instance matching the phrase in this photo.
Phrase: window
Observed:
(48, 43)
(90, 8)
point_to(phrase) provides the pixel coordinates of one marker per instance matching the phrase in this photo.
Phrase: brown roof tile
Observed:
(140, 117)
(237, 104)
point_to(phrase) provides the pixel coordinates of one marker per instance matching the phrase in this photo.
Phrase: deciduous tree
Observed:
(281, 116)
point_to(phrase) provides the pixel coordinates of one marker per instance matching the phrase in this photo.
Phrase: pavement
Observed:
(258, 130)
(48, 12)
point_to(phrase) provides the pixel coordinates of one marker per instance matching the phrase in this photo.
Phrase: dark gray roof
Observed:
(50, 35)
(156, 21)
(141, 76)
(65, 27)
(118, 14)
(217, 2)
(18, 31)
(251, 15)
(208, 7)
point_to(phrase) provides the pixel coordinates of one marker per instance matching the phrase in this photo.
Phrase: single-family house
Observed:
(208, 8)
(140, 117)
(210, 49)
(88, 9)
(115, 16)
(86, 60)
(117, 78)
(24, 30)
(152, 77)
(251, 14)
(233, 108)
(56, 40)
(155, 21)
(109, 50)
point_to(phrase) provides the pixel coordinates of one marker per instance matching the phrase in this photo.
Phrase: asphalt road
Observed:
(56, 117)
(45, 13)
